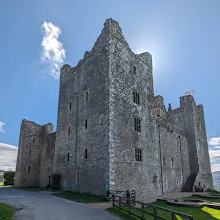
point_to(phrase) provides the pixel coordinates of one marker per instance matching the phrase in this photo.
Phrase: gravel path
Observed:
(43, 206)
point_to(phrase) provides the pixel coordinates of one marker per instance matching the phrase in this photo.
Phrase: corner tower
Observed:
(106, 136)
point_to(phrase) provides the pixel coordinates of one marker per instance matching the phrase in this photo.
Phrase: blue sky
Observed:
(182, 36)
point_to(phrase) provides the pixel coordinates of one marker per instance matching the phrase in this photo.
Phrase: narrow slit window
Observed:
(70, 106)
(29, 170)
(30, 152)
(136, 97)
(68, 157)
(77, 177)
(172, 162)
(138, 154)
(86, 153)
(86, 124)
(137, 124)
(87, 96)
(134, 70)
(33, 140)
(69, 130)
(164, 161)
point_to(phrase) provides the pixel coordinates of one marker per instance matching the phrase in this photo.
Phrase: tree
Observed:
(9, 177)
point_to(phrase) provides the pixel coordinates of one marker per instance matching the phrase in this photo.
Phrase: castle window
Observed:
(29, 170)
(30, 152)
(136, 97)
(137, 124)
(70, 106)
(134, 70)
(69, 130)
(86, 124)
(172, 162)
(138, 154)
(77, 177)
(33, 140)
(86, 153)
(68, 157)
(165, 180)
(164, 161)
(87, 96)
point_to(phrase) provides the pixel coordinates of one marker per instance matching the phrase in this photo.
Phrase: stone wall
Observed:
(174, 157)
(33, 143)
(190, 118)
(131, 73)
(82, 129)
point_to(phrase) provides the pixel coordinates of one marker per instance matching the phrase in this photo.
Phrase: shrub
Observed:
(56, 178)
(9, 177)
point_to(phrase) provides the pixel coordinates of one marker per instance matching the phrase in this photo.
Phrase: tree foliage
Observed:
(9, 177)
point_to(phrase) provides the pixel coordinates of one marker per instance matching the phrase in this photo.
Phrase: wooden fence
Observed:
(137, 209)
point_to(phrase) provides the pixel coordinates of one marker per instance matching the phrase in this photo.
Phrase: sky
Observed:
(38, 37)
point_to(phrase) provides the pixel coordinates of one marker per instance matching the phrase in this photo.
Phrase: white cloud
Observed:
(214, 141)
(214, 154)
(215, 167)
(8, 156)
(2, 124)
(53, 52)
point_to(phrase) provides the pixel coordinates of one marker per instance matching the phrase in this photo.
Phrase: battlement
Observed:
(33, 127)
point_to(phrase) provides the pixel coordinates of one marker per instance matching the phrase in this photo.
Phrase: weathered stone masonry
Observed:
(112, 133)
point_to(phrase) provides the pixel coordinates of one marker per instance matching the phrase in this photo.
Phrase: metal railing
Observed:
(128, 204)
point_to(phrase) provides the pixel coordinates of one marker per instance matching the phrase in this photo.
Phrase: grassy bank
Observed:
(6, 212)
(80, 197)
(201, 213)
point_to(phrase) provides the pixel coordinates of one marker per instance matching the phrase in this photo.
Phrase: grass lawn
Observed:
(6, 212)
(80, 197)
(202, 213)
(1, 184)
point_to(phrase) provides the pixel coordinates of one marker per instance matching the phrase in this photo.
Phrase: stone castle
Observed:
(112, 132)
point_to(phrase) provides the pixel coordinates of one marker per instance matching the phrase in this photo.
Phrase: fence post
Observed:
(129, 206)
(173, 216)
(119, 202)
(155, 213)
(113, 200)
(142, 211)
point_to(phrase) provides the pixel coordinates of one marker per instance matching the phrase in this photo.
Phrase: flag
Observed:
(189, 92)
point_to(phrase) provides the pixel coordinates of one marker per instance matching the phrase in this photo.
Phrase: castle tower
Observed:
(106, 129)
(35, 155)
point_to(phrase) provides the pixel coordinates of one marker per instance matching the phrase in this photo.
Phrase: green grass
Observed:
(201, 213)
(124, 215)
(80, 197)
(6, 212)
(1, 184)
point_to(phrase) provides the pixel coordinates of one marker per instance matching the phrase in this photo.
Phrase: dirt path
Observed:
(43, 206)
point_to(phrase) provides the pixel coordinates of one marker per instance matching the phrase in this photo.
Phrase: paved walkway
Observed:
(43, 206)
